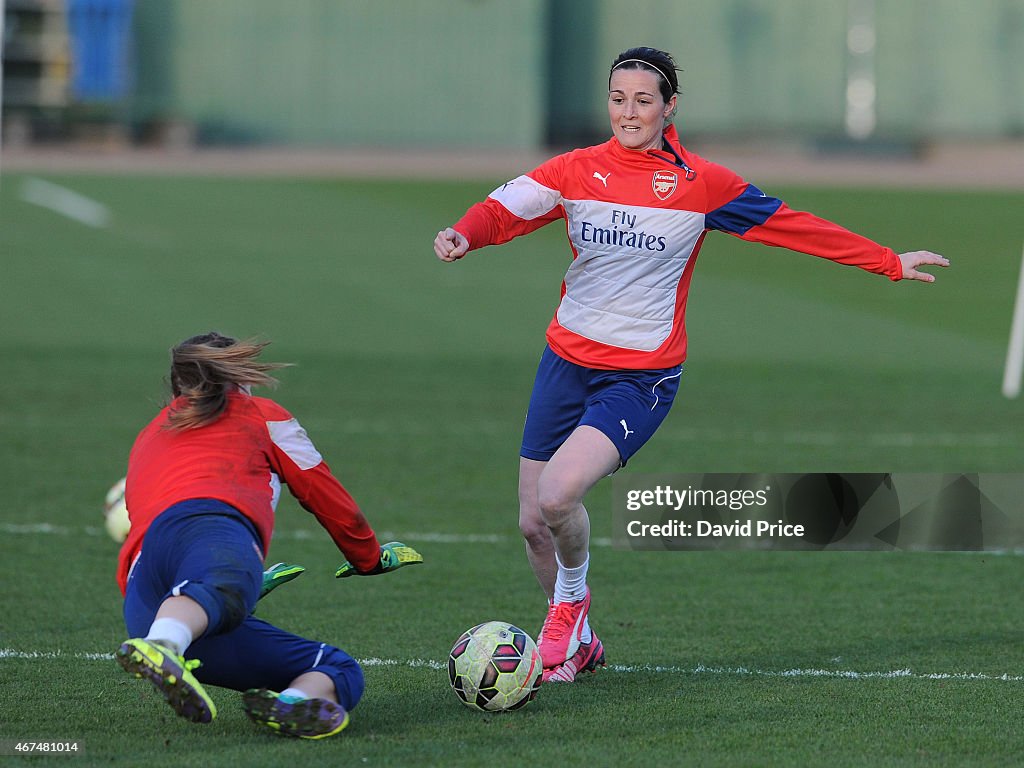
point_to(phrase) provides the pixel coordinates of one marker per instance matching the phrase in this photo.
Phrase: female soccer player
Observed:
(203, 480)
(636, 210)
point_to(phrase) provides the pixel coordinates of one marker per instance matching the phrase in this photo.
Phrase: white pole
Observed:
(3, 11)
(861, 82)
(1015, 352)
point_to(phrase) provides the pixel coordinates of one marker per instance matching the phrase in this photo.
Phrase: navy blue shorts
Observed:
(208, 551)
(627, 406)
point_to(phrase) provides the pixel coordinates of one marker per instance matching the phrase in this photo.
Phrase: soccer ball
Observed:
(115, 513)
(495, 666)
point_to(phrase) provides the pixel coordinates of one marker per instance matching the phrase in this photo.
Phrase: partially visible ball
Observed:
(115, 513)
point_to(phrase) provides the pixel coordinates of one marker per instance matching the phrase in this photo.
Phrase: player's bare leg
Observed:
(185, 611)
(540, 546)
(586, 457)
(316, 685)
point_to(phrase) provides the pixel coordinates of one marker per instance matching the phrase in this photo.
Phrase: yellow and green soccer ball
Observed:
(495, 666)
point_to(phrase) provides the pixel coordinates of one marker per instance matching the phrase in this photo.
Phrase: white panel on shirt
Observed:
(621, 288)
(526, 198)
(275, 490)
(291, 438)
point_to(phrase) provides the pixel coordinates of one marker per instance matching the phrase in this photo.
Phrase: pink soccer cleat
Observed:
(588, 658)
(560, 636)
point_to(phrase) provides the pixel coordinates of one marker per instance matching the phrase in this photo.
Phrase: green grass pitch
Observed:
(413, 378)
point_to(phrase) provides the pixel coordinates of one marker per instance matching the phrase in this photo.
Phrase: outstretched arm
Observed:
(742, 210)
(298, 463)
(914, 259)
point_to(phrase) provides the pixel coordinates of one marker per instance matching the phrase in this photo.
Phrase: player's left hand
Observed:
(914, 259)
(393, 556)
(279, 574)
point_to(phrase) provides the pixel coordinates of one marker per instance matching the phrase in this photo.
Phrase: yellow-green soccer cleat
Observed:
(171, 675)
(278, 574)
(292, 716)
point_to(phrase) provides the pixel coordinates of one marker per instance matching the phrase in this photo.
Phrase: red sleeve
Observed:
(318, 491)
(807, 233)
(742, 210)
(517, 207)
(491, 223)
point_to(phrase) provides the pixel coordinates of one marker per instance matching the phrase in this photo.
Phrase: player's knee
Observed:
(225, 605)
(556, 503)
(533, 528)
(234, 607)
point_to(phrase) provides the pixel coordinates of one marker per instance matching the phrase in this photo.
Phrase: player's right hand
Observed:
(450, 245)
(393, 556)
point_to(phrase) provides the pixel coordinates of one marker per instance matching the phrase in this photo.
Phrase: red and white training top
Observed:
(240, 459)
(636, 221)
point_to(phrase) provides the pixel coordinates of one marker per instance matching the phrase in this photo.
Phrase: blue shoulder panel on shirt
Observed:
(750, 208)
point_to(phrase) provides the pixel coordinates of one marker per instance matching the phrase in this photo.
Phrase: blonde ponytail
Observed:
(204, 369)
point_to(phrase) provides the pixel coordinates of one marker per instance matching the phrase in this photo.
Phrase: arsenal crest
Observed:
(664, 183)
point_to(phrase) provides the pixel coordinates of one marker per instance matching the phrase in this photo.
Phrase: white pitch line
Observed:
(66, 202)
(413, 663)
(843, 674)
(627, 669)
(428, 537)
(11, 653)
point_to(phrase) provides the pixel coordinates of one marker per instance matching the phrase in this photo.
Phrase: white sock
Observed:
(172, 633)
(571, 583)
(294, 693)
